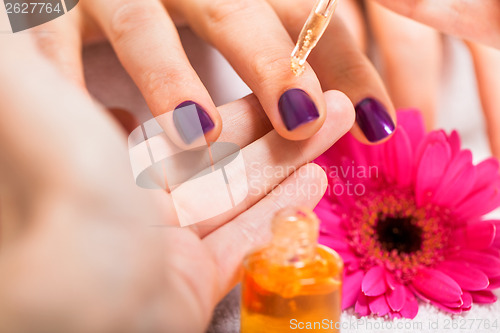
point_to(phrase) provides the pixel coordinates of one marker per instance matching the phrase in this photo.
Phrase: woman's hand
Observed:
(408, 38)
(84, 249)
(256, 36)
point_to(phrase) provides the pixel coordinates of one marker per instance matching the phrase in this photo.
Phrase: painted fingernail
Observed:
(191, 121)
(297, 108)
(374, 120)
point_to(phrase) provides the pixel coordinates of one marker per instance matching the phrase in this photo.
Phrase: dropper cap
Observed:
(295, 236)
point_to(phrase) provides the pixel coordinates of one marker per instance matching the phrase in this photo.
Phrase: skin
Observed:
(84, 249)
(256, 36)
(53, 268)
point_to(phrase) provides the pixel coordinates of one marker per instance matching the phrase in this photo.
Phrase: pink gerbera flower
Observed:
(406, 217)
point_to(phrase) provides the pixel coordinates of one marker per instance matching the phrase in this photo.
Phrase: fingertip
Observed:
(320, 176)
(341, 109)
(302, 115)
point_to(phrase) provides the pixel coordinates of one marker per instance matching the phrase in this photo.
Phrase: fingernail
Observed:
(191, 121)
(296, 108)
(374, 120)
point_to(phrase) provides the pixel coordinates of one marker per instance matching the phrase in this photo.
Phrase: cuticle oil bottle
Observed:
(294, 283)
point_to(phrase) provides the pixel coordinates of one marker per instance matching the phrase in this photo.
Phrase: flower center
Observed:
(386, 228)
(398, 233)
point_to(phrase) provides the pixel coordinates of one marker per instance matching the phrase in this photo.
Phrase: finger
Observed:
(474, 20)
(60, 41)
(266, 163)
(487, 66)
(352, 15)
(249, 34)
(340, 65)
(147, 44)
(411, 60)
(229, 244)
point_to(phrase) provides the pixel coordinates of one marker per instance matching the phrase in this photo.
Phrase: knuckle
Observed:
(156, 80)
(266, 63)
(132, 16)
(355, 71)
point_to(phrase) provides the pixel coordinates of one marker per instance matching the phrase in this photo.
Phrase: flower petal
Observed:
(410, 309)
(378, 305)
(361, 306)
(374, 282)
(437, 286)
(390, 280)
(435, 156)
(399, 159)
(413, 123)
(396, 298)
(488, 263)
(469, 279)
(467, 298)
(457, 181)
(483, 297)
(494, 283)
(454, 310)
(351, 289)
(454, 141)
(480, 202)
(477, 236)
(335, 244)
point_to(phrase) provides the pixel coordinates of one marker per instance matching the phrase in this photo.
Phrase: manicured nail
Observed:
(297, 108)
(192, 121)
(374, 120)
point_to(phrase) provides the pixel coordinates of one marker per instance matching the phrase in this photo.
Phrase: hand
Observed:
(256, 36)
(86, 250)
(411, 52)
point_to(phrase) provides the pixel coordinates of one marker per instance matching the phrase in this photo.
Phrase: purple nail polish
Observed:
(374, 120)
(192, 121)
(296, 108)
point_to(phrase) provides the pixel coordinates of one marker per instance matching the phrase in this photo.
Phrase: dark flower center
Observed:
(398, 233)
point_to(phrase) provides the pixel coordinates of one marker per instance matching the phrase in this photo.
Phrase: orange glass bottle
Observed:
(293, 283)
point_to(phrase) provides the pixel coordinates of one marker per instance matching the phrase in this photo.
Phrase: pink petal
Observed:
(454, 141)
(395, 315)
(396, 298)
(488, 263)
(469, 279)
(378, 305)
(480, 202)
(454, 310)
(399, 159)
(457, 181)
(413, 123)
(361, 306)
(435, 158)
(390, 280)
(410, 309)
(374, 282)
(437, 286)
(477, 236)
(486, 172)
(336, 244)
(496, 241)
(467, 298)
(483, 297)
(494, 283)
(351, 289)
